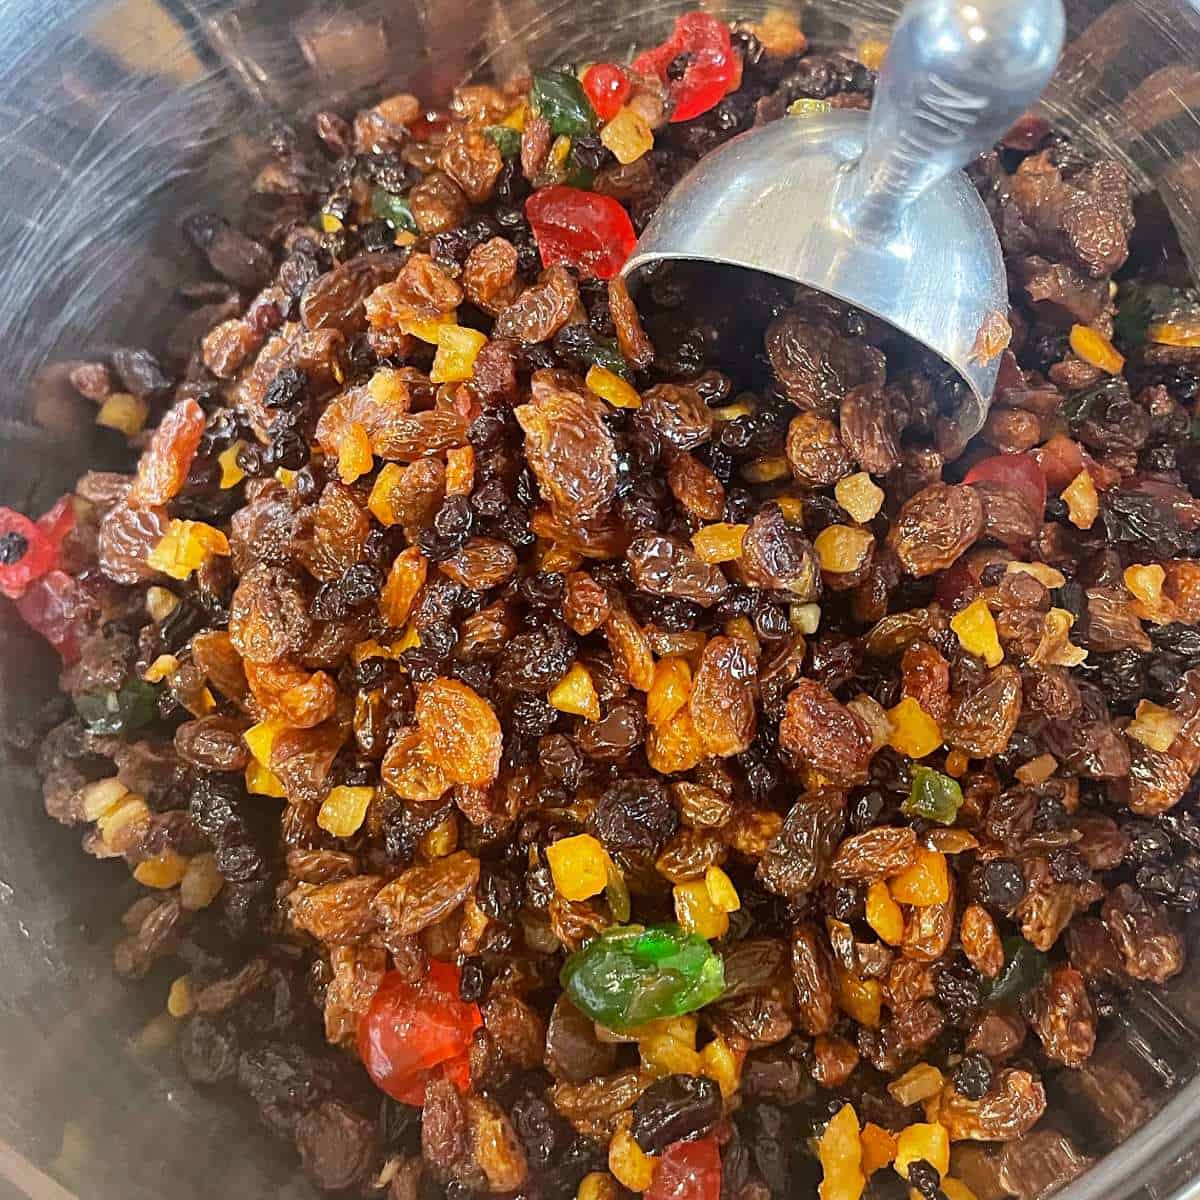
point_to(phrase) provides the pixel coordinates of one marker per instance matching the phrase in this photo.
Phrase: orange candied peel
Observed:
(840, 1152)
(344, 810)
(457, 349)
(185, 547)
(842, 549)
(1154, 726)
(914, 732)
(884, 915)
(926, 882)
(878, 1148)
(628, 136)
(860, 496)
(861, 999)
(460, 471)
(579, 866)
(696, 912)
(670, 690)
(1082, 501)
(1096, 350)
(610, 387)
(930, 1142)
(576, 693)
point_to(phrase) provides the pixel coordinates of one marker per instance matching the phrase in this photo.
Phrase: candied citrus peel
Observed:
(354, 454)
(914, 732)
(344, 810)
(884, 915)
(1082, 501)
(975, 628)
(696, 912)
(878, 1148)
(457, 349)
(861, 999)
(926, 882)
(231, 473)
(610, 387)
(840, 1151)
(163, 871)
(1154, 726)
(630, 1165)
(628, 136)
(576, 693)
(721, 890)
(1096, 350)
(842, 549)
(928, 1142)
(185, 547)
(1181, 331)
(579, 866)
(460, 471)
(916, 1084)
(670, 690)
(860, 496)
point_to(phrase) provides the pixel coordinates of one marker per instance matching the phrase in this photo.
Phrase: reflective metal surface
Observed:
(876, 210)
(118, 118)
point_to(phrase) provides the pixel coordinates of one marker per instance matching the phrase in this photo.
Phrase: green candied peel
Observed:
(107, 713)
(559, 98)
(934, 796)
(1024, 968)
(394, 209)
(507, 140)
(632, 974)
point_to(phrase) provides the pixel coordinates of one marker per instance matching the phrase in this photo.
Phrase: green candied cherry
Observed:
(630, 975)
(1024, 967)
(559, 98)
(934, 797)
(394, 209)
(109, 713)
(505, 139)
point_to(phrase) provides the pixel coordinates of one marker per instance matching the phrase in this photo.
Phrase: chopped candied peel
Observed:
(1082, 501)
(975, 628)
(186, 547)
(1096, 350)
(1154, 726)
(1055, 648)
(840, 1151)
(993, 338)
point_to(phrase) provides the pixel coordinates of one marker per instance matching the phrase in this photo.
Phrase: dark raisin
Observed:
(958, 991)
(1067, 866)
(675, 1108)
(973, 1076)
(1002, 885)
(925, 1178)
(634, 815)
(287, 389)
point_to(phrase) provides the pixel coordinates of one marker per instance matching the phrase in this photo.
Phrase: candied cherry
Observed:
(688, 1171)
(414, 1032)
(607, 87)
(50, 605)
(29, 549)
(712, 68)
(579, 229)
(1018, 471)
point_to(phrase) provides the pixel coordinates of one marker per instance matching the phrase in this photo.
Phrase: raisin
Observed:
(973, 1076)
(824, 733)
(796, 860)
(634, 816)
(674, 1109)
(935, 527)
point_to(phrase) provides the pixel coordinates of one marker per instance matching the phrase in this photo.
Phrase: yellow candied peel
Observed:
(610, 387)
(842, 549)
(576, 693)
(344, 810)
(185, 547)
(1096, 350)
(926, 882)
(719, 543)
(975, 628)
(579, 866)
(914, 732)
(1082, 501)
(840, 1152)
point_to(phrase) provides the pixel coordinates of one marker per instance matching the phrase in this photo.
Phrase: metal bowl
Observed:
(117, 119)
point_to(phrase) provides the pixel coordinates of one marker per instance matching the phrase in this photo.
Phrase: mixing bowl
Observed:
(119, 118)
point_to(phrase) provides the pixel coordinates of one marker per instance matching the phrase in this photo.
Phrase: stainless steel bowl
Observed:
(116, 118)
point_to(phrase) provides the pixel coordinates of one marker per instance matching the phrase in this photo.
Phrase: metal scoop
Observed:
(874, 209)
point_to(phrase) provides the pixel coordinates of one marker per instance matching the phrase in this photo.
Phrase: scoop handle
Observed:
(957, 75)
